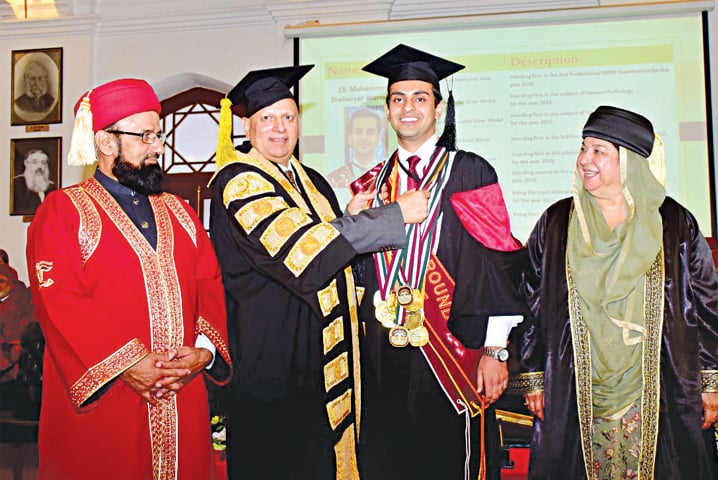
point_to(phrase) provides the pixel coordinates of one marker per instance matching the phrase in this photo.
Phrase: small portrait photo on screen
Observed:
(365, 143)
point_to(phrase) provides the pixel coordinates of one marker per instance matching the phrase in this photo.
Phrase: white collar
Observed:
(424, 151)
(286, 168)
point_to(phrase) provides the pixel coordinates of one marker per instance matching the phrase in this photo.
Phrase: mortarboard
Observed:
(257, 90)
(407, 63)
(261, 88)
(621, 127)
(101, 107)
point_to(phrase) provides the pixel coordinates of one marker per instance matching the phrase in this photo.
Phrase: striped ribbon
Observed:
(407, 266)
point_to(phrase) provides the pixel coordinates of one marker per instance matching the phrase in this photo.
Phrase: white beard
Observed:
(37, 181)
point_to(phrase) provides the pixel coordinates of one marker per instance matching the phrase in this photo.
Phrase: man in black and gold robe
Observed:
(285, 251)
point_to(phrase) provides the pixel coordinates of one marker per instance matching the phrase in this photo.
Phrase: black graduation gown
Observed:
(689, 344)
(280, 333)
(410, 429)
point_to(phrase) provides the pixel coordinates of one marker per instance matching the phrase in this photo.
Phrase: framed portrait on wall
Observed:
(35, 166)
(36, 86)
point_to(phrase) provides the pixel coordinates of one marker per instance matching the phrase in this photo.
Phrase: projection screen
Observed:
(522, 100)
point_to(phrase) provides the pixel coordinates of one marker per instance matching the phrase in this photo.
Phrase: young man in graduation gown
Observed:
(129, 296)
(285, 251)
(425, 389)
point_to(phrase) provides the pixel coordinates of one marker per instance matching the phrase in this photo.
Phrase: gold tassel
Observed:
(225, 148)
(82, 145)
(657, 160)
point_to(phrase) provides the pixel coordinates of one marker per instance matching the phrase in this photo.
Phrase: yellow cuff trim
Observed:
(709, 381)
(525, 383)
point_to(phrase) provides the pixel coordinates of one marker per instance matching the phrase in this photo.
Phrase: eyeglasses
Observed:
(148, 136)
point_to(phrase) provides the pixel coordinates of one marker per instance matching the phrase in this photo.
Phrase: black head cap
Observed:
(621, 127)
(261, 88)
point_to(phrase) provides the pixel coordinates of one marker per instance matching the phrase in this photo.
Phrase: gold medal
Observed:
(398, 336)
(384, 315)
(417, 301)
(377, 298)
(391, 304)
(419, 336)
(404, 295)
(413, 319)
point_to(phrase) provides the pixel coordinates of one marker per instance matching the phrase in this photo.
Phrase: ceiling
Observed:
(119, 17)
(286, 12)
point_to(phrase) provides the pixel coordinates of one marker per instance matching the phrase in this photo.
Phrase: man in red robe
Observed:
(131, 303)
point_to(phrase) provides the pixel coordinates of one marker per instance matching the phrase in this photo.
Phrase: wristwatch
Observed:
(498, 353)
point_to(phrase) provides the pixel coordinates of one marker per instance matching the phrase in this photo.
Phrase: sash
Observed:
(451, 362)
(367, 181)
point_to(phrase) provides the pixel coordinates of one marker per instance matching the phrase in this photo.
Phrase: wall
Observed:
(77, 55)
(224, 52)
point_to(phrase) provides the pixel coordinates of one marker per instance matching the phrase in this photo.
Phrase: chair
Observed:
(19, 423)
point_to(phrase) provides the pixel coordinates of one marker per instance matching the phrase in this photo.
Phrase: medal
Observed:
(391, 302)
(404, 295)
(384, 311)
(417, 301)
(413, 319)
(419, 336)
(398, 336)
(384, 315)
(377, 298)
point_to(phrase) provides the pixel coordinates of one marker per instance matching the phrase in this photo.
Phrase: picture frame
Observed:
(35, 171)
(36, 86)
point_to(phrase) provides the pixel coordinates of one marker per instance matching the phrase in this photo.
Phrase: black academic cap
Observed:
(261, 88)
(621, 127)
(407, 63)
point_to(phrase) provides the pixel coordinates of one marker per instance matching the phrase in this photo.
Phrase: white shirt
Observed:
(498, 328)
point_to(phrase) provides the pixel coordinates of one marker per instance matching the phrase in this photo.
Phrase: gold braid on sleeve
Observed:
(524, 383)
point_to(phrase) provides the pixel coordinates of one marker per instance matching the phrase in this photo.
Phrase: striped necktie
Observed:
(290, 176)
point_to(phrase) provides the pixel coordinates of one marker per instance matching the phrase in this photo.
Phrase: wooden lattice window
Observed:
(191, 121)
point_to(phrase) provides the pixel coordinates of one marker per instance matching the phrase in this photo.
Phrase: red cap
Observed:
(118, 99)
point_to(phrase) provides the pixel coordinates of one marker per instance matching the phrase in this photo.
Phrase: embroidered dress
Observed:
(617, 445)
(680, 359)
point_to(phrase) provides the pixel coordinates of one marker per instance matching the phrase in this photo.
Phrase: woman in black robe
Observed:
(620, 363)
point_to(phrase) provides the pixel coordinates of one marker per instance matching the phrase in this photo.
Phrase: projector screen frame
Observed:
(576, 15)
